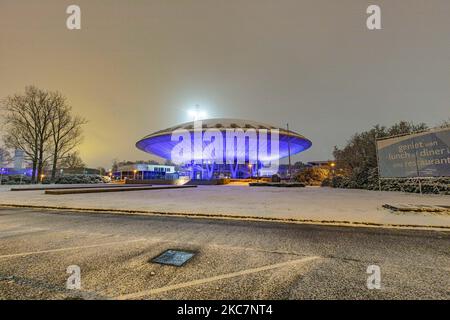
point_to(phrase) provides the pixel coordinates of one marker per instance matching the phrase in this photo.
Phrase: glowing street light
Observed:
(332, 165)
(197, 114)
(42, 177)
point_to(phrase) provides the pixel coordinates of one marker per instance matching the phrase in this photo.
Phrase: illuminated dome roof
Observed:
(159, 143)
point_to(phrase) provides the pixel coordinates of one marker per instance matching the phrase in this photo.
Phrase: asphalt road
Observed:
(234, 259)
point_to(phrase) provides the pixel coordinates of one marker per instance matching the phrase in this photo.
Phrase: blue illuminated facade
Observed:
(161, 144)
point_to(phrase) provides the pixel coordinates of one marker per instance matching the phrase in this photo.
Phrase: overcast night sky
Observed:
(138, 66)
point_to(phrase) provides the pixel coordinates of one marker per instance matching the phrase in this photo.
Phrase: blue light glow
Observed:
(161, 144)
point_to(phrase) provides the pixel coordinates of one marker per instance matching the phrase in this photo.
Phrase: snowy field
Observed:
(311, 203)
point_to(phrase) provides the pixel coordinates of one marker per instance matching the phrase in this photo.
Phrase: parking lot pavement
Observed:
(233, 260)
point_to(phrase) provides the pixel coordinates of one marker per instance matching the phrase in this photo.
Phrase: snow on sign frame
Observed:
(424, 154)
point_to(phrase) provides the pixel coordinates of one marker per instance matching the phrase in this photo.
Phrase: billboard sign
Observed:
(425, 154)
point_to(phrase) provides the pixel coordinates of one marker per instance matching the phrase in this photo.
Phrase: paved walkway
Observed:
(311, 204)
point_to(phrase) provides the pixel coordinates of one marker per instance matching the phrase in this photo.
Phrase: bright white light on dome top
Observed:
(197, 115)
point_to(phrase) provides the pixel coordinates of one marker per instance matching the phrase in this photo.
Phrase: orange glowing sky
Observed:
(138, 66)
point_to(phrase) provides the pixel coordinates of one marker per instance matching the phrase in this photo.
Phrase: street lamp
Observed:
(134, 174)
(197, 114)
(42, 177)
(332, 165)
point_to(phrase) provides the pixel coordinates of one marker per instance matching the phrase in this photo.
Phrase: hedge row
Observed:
(15, 179)
(369, 180)
(65, 179)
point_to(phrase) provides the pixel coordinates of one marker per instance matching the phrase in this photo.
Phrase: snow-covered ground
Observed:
(311, 203)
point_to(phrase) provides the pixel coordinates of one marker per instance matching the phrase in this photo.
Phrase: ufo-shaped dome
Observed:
(159, 143)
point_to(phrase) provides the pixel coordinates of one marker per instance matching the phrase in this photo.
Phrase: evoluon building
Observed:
(217, 148)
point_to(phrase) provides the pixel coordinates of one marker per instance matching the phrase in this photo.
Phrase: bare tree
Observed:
(40, 123)
(66, 131)
(115, 165)
(27, 119)
(444, 124)
(5, 159)
(72, 161)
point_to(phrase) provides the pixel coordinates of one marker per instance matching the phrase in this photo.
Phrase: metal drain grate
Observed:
(173, 257)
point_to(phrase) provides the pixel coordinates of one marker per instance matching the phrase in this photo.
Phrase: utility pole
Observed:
(289, 149)
(378, 161)
(417, 166)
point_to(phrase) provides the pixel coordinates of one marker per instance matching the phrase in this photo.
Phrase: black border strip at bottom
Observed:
(225, 309)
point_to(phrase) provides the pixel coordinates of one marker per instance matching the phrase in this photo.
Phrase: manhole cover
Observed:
(173, 257)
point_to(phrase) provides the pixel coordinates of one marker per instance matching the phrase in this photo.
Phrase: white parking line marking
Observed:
(8, 233)
(68, 248)
(215, 278)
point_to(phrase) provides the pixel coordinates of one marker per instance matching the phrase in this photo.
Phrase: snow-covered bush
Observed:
(15, 179)
(312, 176)
(369, 181)
(78, 179)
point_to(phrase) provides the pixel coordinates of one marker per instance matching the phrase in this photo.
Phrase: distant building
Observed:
(327, 164)
(13, 165)
(69, 171)
(18, 159)
(143, 171)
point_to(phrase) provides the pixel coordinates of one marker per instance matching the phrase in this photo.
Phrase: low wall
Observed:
(278, 184)
(80, 186)
(208, 182)
(119, 189)
(181, 181)
(176, 182)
